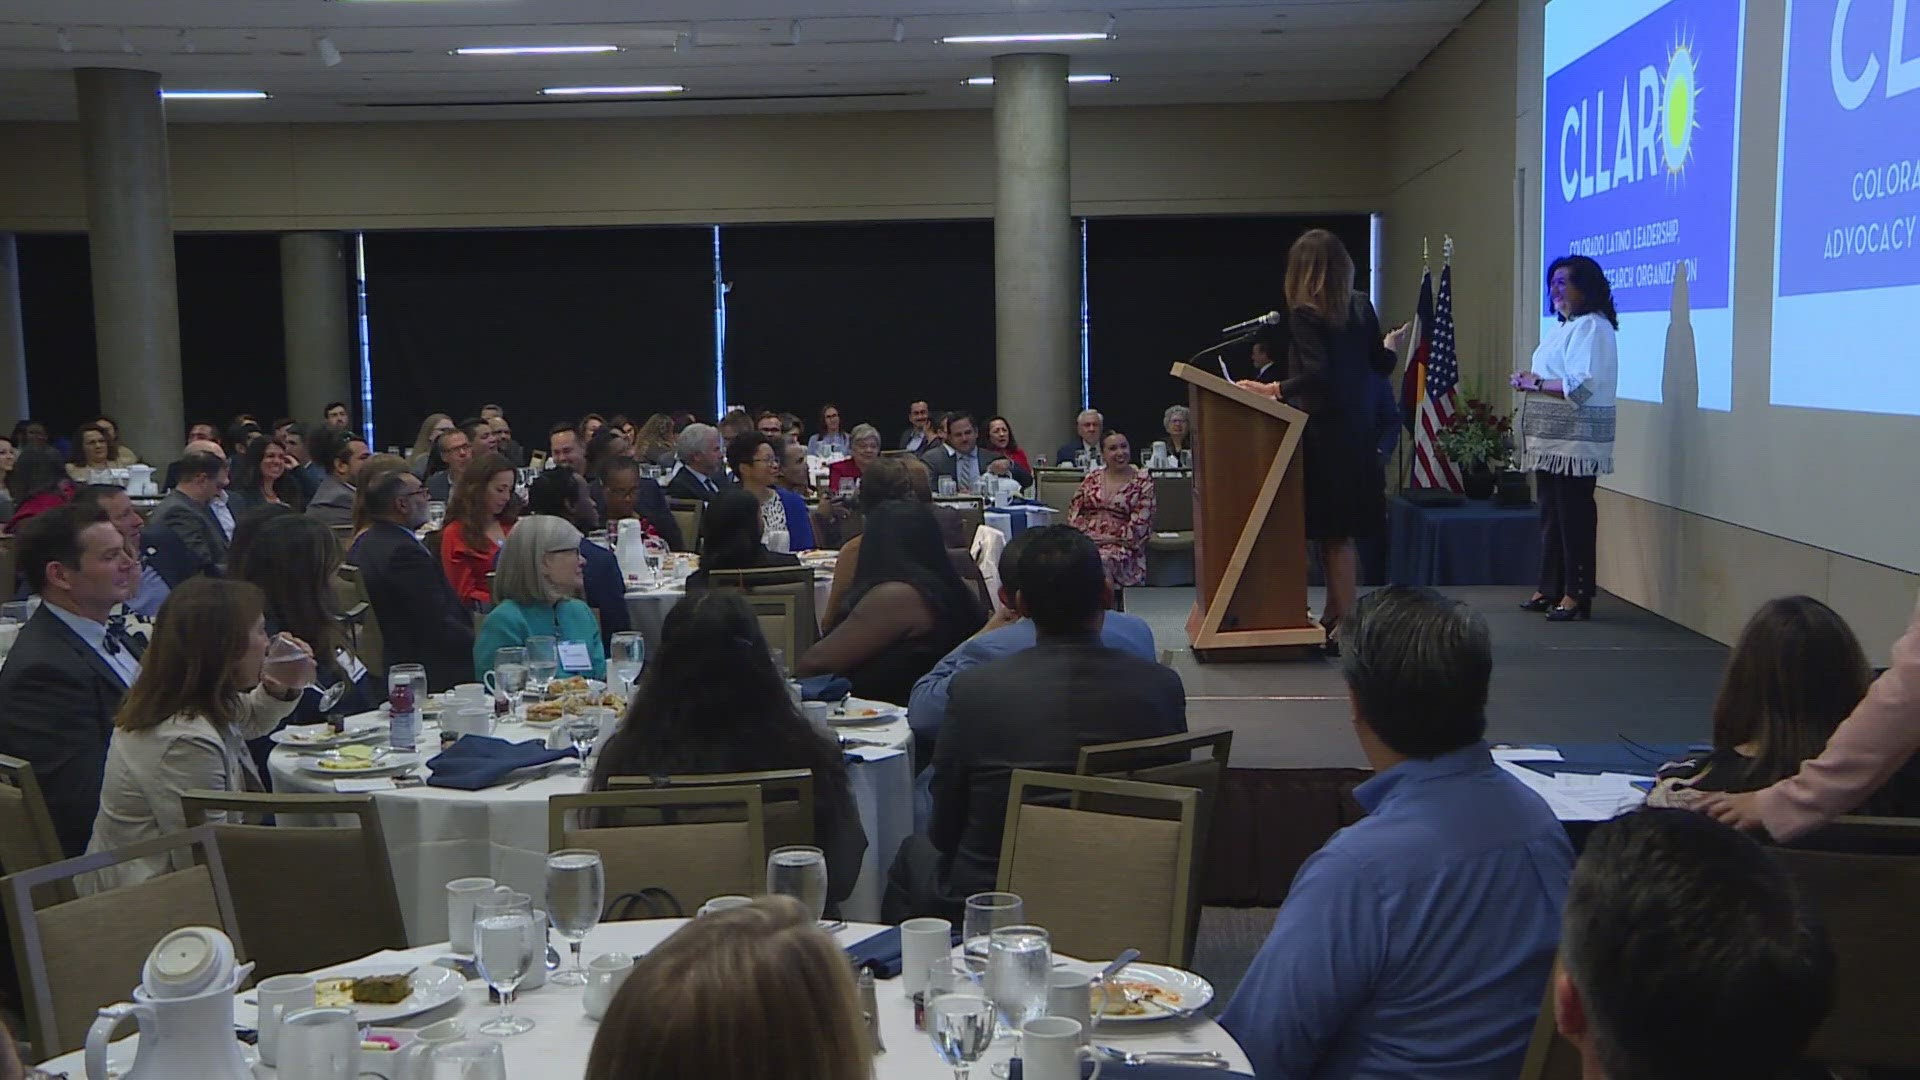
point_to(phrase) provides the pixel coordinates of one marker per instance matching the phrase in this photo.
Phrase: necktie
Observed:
(968, 466)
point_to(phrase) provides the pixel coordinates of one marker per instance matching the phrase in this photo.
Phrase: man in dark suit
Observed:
(702, 473)
(1072, 691)
(342, 453)
(566, 448)
(964, 459)
(920, 436)
(187, 511)
(421, 620)
(70, 666)
(1086, 427)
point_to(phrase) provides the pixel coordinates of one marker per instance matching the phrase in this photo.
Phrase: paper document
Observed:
(352, 786)
(1582, 796)
(1526, 753)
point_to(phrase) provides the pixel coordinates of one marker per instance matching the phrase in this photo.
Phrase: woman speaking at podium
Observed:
(1566, 431)
(1331, 346)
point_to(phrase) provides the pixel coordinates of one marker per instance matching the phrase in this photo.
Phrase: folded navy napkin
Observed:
(825, 688)
(1151, 1071)
(480, 761)
(881, 953)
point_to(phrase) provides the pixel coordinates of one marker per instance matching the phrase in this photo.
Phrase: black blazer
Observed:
(195, 526)
(1033, 709)
(58, 698)
(421, 620)
(940, 462)
(684, 486)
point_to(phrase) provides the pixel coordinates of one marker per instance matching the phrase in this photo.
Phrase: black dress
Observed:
(1330, 372)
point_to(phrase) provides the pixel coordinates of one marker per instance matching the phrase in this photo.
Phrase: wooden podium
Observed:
(1249, 542)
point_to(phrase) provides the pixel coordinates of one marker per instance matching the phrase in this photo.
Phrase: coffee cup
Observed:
(1070, 994)
(605, 973)
(469, 718)
(922, 941)
(461, 894)
(280, 997)
(319, 1044)
(415, 1060)
(1050, 1048)
(723, 903)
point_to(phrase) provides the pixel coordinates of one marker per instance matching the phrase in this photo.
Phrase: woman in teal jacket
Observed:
(536, 586)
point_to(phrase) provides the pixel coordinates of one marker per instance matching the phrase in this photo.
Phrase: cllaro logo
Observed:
(1652, 133)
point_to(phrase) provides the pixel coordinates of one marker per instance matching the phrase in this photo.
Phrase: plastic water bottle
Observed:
(406, 685)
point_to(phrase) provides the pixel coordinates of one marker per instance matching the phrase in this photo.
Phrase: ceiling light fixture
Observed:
(215, 95)
(1010, 39)
(580, 91)
(532, 50)
(987, 80)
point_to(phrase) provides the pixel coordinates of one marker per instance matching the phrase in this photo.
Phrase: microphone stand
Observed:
(1229, 343)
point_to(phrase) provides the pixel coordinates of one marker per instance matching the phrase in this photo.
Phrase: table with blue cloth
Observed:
(1625, 756)
(1474, 543)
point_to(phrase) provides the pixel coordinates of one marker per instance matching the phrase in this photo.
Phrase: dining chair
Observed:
(78, 955)
(688, 514)
(794, 581)
(778, 623)
(1170, 544)
(1549, 1055)
(1056, 487)
(27, 836)
(641, 848)
(1103, 882)
(319, 846)
(786, 797)
(350, 589)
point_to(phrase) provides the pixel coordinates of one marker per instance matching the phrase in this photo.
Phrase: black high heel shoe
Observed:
(1331, 648)
(1581, 612)
(1538, 603)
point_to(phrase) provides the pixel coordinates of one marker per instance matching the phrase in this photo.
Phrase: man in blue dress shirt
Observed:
(1417, 942)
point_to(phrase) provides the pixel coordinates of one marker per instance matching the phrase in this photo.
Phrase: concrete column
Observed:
(13, 345)
(1036, 278)
(136, 317)
(319, 322)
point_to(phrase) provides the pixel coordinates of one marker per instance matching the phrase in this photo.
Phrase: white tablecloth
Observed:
(647, 608)
(437, 834)
(558, 1045)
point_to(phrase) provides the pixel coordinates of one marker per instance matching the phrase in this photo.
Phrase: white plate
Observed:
(323, 740)
(1194, 993)
(382, 764)
(856, 709)
(433, 986)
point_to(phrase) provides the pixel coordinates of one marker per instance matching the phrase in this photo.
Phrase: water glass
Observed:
(626, 655)
(509, 674)
(987, 912)
(576, 890)
(1019, 973)
(948, 486)
(436, 514)
(469, 1059)
(507, 942)
(543, 662)
(961, 1026)
(799, 872)
(583, 731)
(288, 664)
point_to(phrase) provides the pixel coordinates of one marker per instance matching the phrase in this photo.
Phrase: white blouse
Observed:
(1584, 355)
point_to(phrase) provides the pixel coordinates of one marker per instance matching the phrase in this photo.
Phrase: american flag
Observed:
(1441, 372)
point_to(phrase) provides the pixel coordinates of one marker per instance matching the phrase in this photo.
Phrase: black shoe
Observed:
(1538, 603)
(1581, 612)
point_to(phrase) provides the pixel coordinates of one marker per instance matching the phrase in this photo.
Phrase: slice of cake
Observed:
(382, 989)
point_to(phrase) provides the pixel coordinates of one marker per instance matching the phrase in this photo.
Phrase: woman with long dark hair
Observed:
(730, 530)
(92, 453)
(264, 474)
(1566, 432)
(711, 701)
(906, 608)
(1795, 674)
(832, 438)
(999, 436)
(38, 483)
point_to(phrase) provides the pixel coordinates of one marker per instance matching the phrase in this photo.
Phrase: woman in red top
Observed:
(1000, 437)
(38, 484)
(866, 450)
(480, 514)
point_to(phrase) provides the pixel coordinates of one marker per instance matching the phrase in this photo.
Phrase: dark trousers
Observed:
(1568, 524)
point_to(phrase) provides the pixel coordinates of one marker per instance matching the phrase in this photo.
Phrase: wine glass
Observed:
(987, 912)
(576, 888)
(626, 655)
(507, 943)
(583, 731)
(1019, 967)
(289, 664)
(543, 662)
(961, 1026)
(799, 872)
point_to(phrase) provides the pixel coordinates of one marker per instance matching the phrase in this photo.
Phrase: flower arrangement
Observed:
(1476, 437)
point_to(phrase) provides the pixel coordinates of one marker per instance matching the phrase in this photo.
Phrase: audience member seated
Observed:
(92, 456)
(711, 701)
(150, 588)
(653, 445)
(1031, 709)
(702, 472)
(589, 426)
(538, 593)
(794, 475)
(238, 436)
(421, 456)
(204, 689)
(730, 538)
(606, 445)
(65, 675)
(830, 439)
(906, 608)
(422, 621)
(759, 993)
(963, 459)
(336, 416)
(1000, 440)
(627, 495)
(736, 422)
(298, 444)
(601, 581)
(1796, 672)
(1087, 426)
(479, 519)
(292, 562)
(785, 524)
(1417, 942)
(503, 440)
(119, 455)
(1687, 951)
(263, 475)
(341, 454)
(247, 527)
(1176, 422)
(454, 450)
(376, 467)
(9, 457)
(793, 428)
(886, 480)
(565, 449)
(864, 445)
(29, 432)
(920, 435)
(770, 426)
(1115, 506)
(38, 484)
(187, 511)
(200, 431)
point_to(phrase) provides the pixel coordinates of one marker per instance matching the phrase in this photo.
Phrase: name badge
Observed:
(573, 656)
(351, 665)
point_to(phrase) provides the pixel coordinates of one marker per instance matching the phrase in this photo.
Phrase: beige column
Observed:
(318, 318)
(13, 345)
(136, 317)
(1036, 278)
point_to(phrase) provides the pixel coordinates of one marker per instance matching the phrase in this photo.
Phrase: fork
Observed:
(1199, 1059)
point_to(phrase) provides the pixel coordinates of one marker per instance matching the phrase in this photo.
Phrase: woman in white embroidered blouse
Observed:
(1566, 430)
(204, 690)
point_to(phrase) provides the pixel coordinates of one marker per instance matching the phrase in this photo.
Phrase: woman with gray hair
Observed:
(537, 587)
(866, 451)
(1178, 424)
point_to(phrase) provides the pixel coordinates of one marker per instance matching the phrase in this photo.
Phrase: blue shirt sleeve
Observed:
(799, 522)
(1318, 965)
(927, 706)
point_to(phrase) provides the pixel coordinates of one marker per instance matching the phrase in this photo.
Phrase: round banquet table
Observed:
(558, 1045)
(647, 607)
(437, 834)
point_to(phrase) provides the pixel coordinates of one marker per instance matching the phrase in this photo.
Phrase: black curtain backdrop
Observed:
(549, 324)
(232, 348)
(868, 316)
(1160, 288)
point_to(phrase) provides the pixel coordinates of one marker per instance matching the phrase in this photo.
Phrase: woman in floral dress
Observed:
(1115, 507)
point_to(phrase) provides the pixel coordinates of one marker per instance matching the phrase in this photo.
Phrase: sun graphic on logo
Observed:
(1676, 107)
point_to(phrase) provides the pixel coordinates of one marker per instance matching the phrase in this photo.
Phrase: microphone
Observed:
(1271, 318)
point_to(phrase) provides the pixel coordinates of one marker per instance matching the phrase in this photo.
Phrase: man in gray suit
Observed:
(340, 453)
(964, 459)
(1033, 709)
(187, 511)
